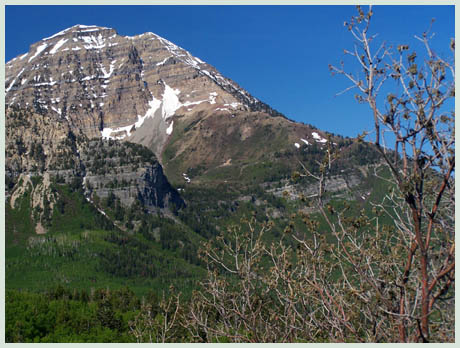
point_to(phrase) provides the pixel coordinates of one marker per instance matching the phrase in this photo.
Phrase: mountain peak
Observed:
(88, 36)
(78, 28)
(122, 87)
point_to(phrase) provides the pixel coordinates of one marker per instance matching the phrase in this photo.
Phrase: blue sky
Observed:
(280, 54)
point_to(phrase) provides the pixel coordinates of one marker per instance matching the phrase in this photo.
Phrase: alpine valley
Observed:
(125, 154)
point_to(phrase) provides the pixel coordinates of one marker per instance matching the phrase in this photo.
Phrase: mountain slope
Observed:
(88, 82)
(106, 84)
(129, 88)
(156, 145)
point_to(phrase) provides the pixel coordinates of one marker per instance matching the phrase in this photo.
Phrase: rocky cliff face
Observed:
(129, 171)
(37, 143)
(42, 151)
(113, 86)
(119, 87)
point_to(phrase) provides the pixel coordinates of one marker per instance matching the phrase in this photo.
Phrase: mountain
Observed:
(113, 86)
(136, 135)
(145, 89)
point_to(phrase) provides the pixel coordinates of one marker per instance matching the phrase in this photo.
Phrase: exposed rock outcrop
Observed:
(41, 150)
(130, 171)
(104, 84)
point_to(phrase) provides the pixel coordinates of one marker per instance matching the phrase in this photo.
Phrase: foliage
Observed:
(61, 315)
(83, 249)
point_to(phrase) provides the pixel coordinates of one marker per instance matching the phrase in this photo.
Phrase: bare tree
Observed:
(234, 304)
(150, 326)
(410, 94)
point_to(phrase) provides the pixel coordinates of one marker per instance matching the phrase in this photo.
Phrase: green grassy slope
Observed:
(83, 249)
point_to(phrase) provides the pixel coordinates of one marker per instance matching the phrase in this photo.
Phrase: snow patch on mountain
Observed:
(93, 42)
(180, 53)
(186, 178)
(38, 51)
(88, 30)
(185, 56)
(77, 27)
(163, 61)
(170, 128)
(154, 104)
(234, 105)
(188, 103)
(112, 67)
(107, 132)
(52, 83)
(58, 45)
(228, 86)
(212, 97)
(318, 138)
(14, 80)
(58, 110)
(169, 104)
(170, 101)
(57, 34)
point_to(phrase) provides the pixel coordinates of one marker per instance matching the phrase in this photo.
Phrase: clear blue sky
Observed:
(280, 54)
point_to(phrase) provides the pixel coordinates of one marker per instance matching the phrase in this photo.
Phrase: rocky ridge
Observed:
(129, 171)
(109, 85)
